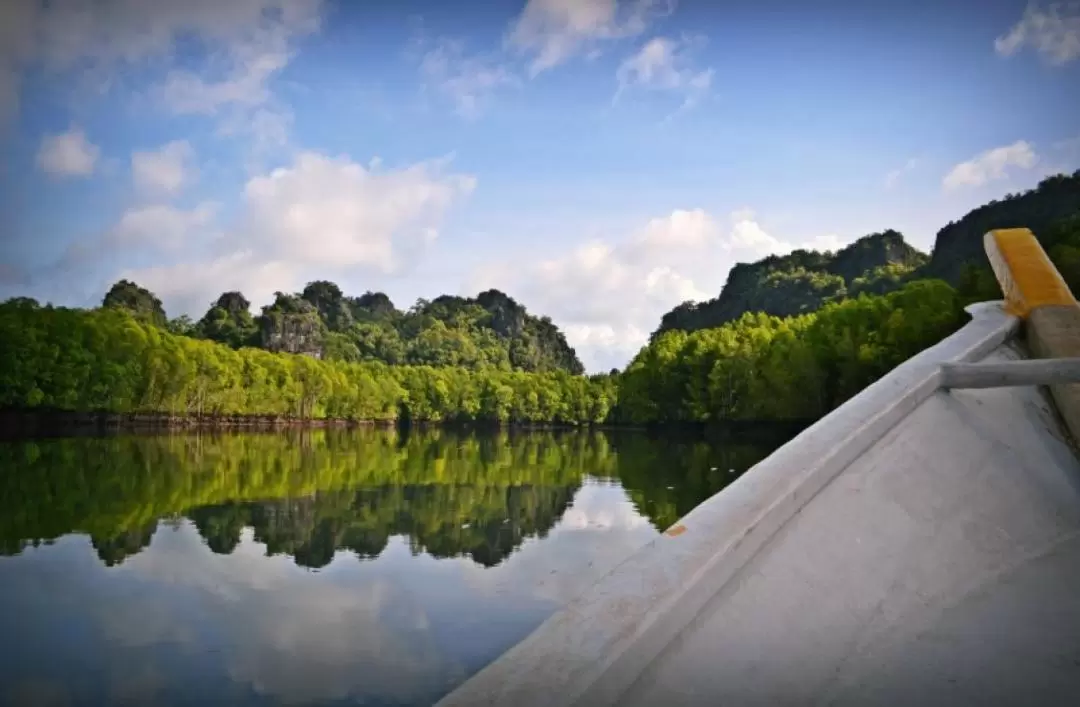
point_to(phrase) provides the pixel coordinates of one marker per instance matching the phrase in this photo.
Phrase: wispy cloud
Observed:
(990, 165)
(246, 42)
(665, 64)
(893, 177)
(1053, 32)
(467, 80)
(553, 31)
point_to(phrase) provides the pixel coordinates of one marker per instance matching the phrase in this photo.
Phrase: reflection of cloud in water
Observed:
(599, 530)
(603, 506)
(178, 621)
(283, 630)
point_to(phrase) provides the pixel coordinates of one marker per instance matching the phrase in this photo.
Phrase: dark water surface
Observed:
(320, 567)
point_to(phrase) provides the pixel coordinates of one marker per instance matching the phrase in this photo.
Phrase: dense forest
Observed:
(308, 494)
(789, 338)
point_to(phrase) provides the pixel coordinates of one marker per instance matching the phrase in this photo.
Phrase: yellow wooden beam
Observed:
(1027, 277)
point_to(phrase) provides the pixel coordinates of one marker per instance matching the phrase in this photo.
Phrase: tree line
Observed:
(108, 359)
(762, 367)
(759, 367)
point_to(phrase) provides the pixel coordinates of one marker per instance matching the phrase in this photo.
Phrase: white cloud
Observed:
(893, 177)
(553, 31)
(467, 80)
(355, 216)
(161, 227)
(990, 165)
(68, 154)
(166, 169)
(1053, 32)
(319, 217)
(600, 529)
(664, 64)
(189, 287)
(608, 296)
(828, 242)
(747, 233)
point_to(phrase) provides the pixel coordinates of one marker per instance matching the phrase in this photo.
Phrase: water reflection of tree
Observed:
(486, 524)
(667, 474)
(311, 494)
(116, 549)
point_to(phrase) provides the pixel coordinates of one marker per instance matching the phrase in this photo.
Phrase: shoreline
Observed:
(38, 422)
(49, 422)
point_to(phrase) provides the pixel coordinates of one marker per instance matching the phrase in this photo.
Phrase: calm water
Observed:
(324, 567)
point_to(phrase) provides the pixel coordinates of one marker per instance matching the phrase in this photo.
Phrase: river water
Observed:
(322, 567)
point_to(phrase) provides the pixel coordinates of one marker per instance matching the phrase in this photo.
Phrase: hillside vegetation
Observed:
(1043, 209)
(805, 280)
(801, 281)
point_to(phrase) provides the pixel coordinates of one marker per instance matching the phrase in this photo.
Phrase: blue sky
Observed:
(599, 160)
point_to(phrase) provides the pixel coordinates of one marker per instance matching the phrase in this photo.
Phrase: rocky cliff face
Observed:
(292, 325)
(292, 334)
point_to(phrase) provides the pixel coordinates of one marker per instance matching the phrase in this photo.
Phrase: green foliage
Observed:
(1063, 243)
(977, 284)
(881, 280)
(762, 367)
(229, 321)
(182, 326)
(110, 360)
(139, 301)
(330, 303)
(372, 307)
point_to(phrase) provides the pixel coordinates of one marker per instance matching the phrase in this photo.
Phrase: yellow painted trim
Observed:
(1027, 277)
